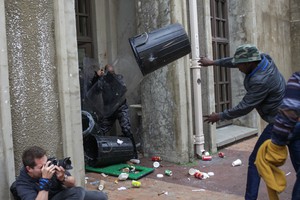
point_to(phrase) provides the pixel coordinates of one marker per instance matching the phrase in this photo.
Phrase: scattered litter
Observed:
(135, 161)
(163, 192)
(119, 141)
(206, 158)
(156, 158)
(101, 185)
(95, 182)
(288, 173)
(189, 179)
(104, 175)
(86, 178)
(198, 175)
(237, 162)
(221, 154)
(205, 175)
(123, 176)
(210, 173)
(192, 171)
(159, 175)
(199, 190)
(156, 164)
(85, 181)
(168, 172)
(116, 181)
(122, 188)
(125, 170)
(206, 153)
(136, 183)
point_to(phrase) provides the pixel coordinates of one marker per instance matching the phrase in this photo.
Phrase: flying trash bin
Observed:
(160, 47)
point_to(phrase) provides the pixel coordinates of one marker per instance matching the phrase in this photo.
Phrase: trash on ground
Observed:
(210, 173)
(168, 172)
(288, 173)
(123, 176)
(192, 171)
(198, 175)
(156, 158)
(136, 184)
(101, 185)
(135, 161)
(221, 154)
(199, 190)
(206, 158)
(206, 153)
(205, 175)
(156, 164)
(237, 162)
(163, 192)
(122, 188)
(95, 182)
(104, 175)
(159, 175)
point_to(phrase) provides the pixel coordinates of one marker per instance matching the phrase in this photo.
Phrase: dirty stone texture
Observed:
(265, 24)
(33, 82)
(295, 34)
(273, 32)
(164, 119)
(227, 183)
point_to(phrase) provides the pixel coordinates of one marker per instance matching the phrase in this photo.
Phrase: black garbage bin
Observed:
(160, 47)
(101, 151)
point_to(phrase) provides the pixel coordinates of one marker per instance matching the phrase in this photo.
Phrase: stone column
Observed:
(166, 93)
(33, 77)
(7, 169)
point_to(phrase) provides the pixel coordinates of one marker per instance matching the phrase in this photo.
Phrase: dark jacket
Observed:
(28, 187)
(287, 124)
(265, 88)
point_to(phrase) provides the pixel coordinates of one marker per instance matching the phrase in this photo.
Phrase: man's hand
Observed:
(212, 118)
(100, 72)
(204, 61)
(48, 171)
(60, 173)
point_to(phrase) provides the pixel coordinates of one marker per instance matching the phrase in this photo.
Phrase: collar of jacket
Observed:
(262, 65)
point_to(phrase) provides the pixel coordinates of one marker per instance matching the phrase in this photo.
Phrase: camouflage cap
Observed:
(246, 53)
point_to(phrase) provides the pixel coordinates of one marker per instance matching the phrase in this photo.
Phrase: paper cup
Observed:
(192, 171)
(237, 162)
(156, 164)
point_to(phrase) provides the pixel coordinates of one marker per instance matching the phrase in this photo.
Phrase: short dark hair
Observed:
(32, 153)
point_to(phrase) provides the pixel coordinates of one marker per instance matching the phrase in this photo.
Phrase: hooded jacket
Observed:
(265, 88)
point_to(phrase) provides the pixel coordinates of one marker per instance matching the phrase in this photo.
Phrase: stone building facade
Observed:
(40, 89)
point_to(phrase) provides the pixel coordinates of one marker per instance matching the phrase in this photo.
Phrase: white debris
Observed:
(122, 188)
(199, 190)
(119, 141)
(288, 173)
(210, 173)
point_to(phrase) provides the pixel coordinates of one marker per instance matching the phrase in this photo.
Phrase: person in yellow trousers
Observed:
(285, 133)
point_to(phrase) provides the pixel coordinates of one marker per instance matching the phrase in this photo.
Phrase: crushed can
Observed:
(136, 183)
(156, 158)
(168, 172)
(221, 154)
(206, 158)
(198, 175)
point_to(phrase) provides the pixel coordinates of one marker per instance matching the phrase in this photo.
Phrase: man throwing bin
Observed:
(265, 88)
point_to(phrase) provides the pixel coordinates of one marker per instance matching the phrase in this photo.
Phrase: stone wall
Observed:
(295, 34)
(165, 92)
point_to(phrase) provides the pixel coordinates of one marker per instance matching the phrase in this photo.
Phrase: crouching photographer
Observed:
(42, 179)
